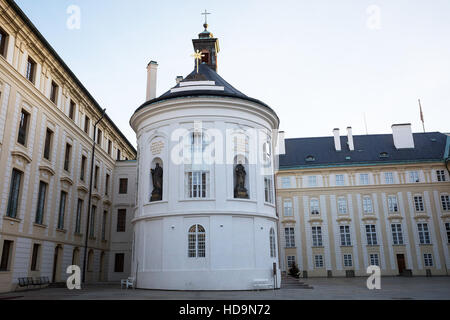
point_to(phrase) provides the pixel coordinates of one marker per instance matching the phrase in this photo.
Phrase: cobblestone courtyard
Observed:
(392, 288)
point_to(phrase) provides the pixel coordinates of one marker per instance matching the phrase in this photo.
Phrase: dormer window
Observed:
(310, 158)
(384, 155)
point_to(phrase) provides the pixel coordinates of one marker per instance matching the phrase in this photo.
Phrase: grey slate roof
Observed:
(429, 146)
(205, 73)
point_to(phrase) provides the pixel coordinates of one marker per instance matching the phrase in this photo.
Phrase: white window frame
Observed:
(389, 178)
(197, 190)
(196, 241)
(440, 176)
(374, 259)
(371, 235)
(364, 179)
(341, 180)
(290, 261)
(392, 203)
(447, 229)
(268, 189)
(445, 202)
(287, 208)
(348, 260)
(318, 261)
(423, 233)
(272, 243)
(314, 206)
(428, 259)
(312, 181)
(346, 238)
(342, 205)
(289, 236)
(316, 232)
(414, 177)
(367, 204)
(397, 233)
(418, 203)
(285, 182)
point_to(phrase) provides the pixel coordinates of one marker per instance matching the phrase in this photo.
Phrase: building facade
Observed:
(46, 129)
(349, 202)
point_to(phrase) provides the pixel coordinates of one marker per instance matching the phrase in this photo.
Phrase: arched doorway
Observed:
(56, 274)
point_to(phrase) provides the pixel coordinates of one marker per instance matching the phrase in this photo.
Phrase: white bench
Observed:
(262, 284)
(127, 282)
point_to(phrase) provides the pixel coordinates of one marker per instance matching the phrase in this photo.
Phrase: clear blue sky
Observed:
(316, 63)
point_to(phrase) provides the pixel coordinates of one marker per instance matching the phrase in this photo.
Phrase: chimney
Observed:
(281, 145)
(337, 139)
(402, 135)
(152, 69)
(178, 79)
(351, 145)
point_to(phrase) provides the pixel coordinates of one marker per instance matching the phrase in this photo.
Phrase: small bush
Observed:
(294, 271)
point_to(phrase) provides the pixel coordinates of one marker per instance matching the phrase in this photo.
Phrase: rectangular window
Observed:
(78, 216)
(314, 206)
(447, 228)
(48, 144)
(92, 223)
(317, 236)
(121, 220)
(72, 107)
(99, 137)
(268, 190)
(318, 261)
(34, 257)
(428, 259)
(119, 262)
(23, 128)
(83, 168)
(289, 236)
(440, 175)
(348, 261)
(312, 181)
(285, 182)
(367, 204)
(414, 177)
(340, 180)
(105, 216)
(3, 42)
(54, 92)
(371, 235)
(290, 261)
(445, 201)
(123, 186)
(197, 185)
(287, 204)
(392, 204)
(87, 123)
(342, 205)
(31, 70)
(14, 193)
(388, 178)
(67, 157)
(374, 259)
(345, 236)
(106, 184)
(96, 177)
(109, 147)
(118, 155)
(364, 179)
(62, 210)
(6, 255)
(424, 233)
(397, 234)
(41, 203)
(418, 203)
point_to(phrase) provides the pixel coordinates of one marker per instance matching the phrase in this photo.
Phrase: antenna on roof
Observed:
(365, 123)
(421, 116)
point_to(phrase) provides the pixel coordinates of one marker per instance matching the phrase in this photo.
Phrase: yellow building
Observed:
(46, 129)
(345, 203)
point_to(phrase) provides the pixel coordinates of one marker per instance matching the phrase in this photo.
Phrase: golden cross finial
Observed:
(197, 56)
(206, 16)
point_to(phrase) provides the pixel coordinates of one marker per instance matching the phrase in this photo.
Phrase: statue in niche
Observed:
(240, 191)
(157, 178)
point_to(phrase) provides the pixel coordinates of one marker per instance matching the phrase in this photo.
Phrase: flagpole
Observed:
(421, 116)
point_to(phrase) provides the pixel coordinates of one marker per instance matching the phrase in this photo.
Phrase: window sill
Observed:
(290, 247)
(269, 204)
(39, 225)
(425, 244)
(92, 238)
(61, 230)
(76, 234)
(317, 247)
(12, 219)
(242, 200)
(155, 202)
(347, 246)
(373, 245)
(199, 199)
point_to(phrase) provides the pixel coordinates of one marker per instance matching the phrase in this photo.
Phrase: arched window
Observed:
(75, 256)
(273, 252)
(196, 242)
(90, 261)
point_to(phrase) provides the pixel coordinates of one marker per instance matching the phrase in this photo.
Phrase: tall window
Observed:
(35, 256)
(392, 204)
(268, 190)
(72, 107)
(445, 201)
(290, 261)
(367, 204)
(340, 180)
(78, 216)
(197, 184)
(62, 210)
(447, 228)
(109, 147)
(83, 168)
(119, 262)
(31, 70)
(440, 175)
(123, 186)
(197, 242)
(312, 181)
(418, 203)
(374, 259)
(118, 155)
(348, 261)
(105, 216)
(121, 220)
(428, 259)
(87, 124)
(6, 255)
(318, 261)
(314, 206)
(67, 157)
(424, 233)
(99, 137)
(345, 236)
(48, 144)
(14, 192)
(92, 222)
(106, 184)
(41, 202)
(317, 236)
(287, 204)
(23, 128)
(371, 235)
(388, 178)
(397, 234)
(342, 205)
(289, 236)
(364, 179)
(272, 243)
(3, 38)
(414, 177)
(54, 92)
(285, 182)
(96, 177)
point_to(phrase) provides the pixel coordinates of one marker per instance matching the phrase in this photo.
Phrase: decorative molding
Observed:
(66, 180)
(20, 154)
(48, 169)
(82, 189)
